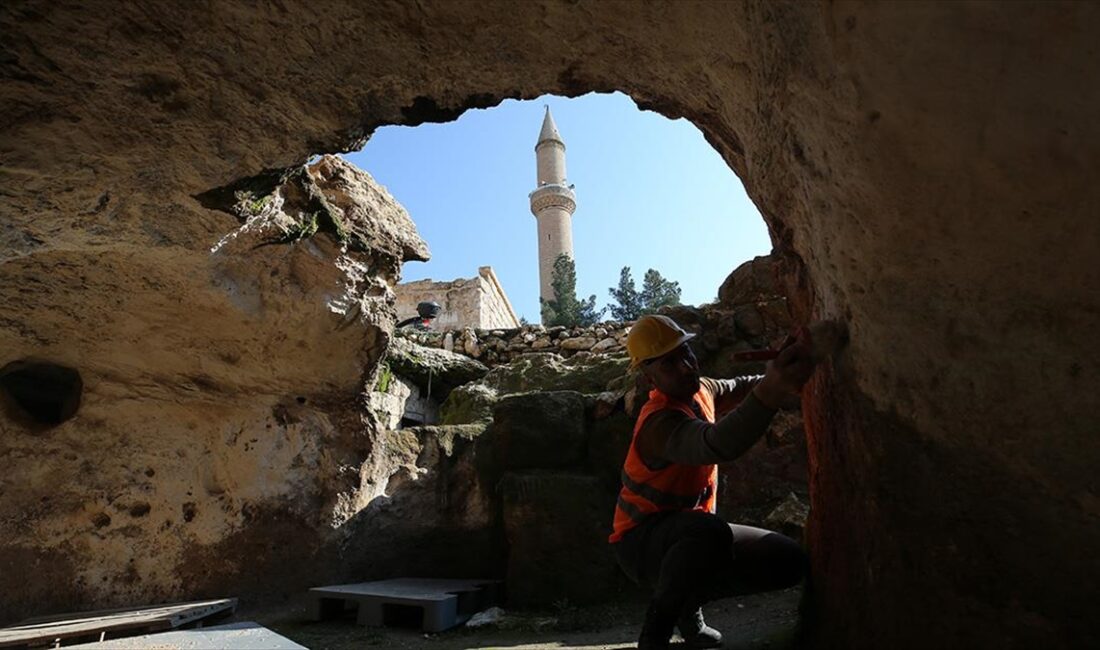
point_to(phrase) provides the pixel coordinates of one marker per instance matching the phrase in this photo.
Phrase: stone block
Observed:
(438, 370)
(608, 441)
(556, 525)
(578, 343)
(539, 430)
(605, 345)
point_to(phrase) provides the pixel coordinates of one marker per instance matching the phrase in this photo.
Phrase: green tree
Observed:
(658, 292)
(631, 304)
(628, 302)
(565, 308)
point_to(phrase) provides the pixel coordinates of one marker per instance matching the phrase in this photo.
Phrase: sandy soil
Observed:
(763, 621)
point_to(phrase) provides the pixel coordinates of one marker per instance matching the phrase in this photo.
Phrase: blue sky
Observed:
(651, 193)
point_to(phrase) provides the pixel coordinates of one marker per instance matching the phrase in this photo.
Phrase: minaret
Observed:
(552, 203)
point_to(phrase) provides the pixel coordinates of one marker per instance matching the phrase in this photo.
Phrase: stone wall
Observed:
(477, 302)
(750, 314)
(496, 346)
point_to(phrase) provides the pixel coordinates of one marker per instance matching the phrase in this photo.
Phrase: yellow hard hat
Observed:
(653, 336)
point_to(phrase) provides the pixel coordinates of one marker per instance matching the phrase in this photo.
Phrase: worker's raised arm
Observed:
(671, 436)
(728, 393)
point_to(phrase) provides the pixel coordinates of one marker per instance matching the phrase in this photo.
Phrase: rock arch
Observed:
(926, 169)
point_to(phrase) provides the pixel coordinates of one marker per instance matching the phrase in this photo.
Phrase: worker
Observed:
(666, 535)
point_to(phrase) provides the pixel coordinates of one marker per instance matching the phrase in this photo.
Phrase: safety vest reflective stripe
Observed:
(631, 510)
(664, 500)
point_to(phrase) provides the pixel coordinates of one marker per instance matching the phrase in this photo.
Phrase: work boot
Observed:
(656, 630)
(696, 632)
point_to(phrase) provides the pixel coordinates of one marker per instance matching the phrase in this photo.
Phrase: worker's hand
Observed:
(786, 374)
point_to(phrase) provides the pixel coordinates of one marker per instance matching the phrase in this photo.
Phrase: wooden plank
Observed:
(121, 610)
(44, 630)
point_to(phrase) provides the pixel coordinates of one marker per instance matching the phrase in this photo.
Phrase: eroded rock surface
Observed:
(430, 368)
(221, 412)
(927, 171)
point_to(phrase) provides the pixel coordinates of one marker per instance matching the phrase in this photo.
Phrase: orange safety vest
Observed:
(675, 487)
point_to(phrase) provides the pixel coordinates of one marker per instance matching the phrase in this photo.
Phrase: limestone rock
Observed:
(539, 430)
(255, 347)
(548, 371)
(691, 319)
(608, 440)
(556, 525)
(469, 403)
(434, 505)
(604, 345)
(389, 405)
(753, 281)
(579, 343)
(749, 320)
(762, 478)
(789, 517)
(470, 345)
(541, 344)
(437, 372)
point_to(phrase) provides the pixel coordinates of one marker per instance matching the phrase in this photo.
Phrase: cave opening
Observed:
(925, 166)
(470, 186)
(651, 193)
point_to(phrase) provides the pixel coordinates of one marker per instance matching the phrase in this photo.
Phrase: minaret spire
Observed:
(553, 203)
(549, 130)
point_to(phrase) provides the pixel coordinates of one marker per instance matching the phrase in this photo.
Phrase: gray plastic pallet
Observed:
(442, 603)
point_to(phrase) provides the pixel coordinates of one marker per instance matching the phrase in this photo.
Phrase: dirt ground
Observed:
(763, 621)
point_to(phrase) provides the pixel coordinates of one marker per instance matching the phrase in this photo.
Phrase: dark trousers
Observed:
(689, 558)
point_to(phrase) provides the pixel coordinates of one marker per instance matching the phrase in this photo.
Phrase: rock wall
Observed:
(926, 170)
(221, 411)
(527, 483)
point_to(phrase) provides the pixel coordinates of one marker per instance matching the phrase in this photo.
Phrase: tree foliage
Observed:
(631, 304)
(565, 308)
(658, 292)
(627, 303)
